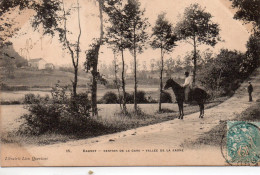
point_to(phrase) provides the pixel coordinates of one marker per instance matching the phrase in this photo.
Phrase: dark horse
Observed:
(196, 94)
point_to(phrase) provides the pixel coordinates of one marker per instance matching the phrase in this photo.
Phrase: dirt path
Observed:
(167, 135)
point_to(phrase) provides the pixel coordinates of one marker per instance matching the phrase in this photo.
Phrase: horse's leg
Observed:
(202, 111)
(179, 105)
(182, 113)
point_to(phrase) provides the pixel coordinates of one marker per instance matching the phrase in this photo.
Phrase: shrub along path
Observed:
(167, 135)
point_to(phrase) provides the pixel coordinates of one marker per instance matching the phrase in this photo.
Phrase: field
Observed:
(108, 115)
(43, 78)
(41, 82)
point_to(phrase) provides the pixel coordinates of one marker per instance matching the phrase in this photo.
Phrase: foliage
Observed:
(137, 36)
(7, 26)
(166, 97)
(52, 17)
(60, 114)
(47, 16)
(163, 35)
(118, 31)
(196, 27)
(253, 53)
(224, 74)
(91, 56)
(129, 98)
(109, 98)
(79, 105)
(163, 39)
(10, 53)
(196, 24)
(34, 99)
(9, 67)
(248, 11)
(141, 97)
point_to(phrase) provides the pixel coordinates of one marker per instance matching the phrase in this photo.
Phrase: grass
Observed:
(214, 136)
(41, 78)
(113, 123)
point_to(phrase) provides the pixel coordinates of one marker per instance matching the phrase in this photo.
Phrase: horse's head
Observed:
(168, 84)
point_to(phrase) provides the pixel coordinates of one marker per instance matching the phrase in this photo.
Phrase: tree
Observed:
(248, 11)
(170, 66)
(196, 27)
(117, 81)
(137, 36)
(187, 62)
(7, 26)
(216, 76)
(163, 39)
(52, 16)
(9, 66)
(91, 63)
(117, 36)
(253, 54)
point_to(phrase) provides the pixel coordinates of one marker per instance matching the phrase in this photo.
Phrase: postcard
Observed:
(129, 83)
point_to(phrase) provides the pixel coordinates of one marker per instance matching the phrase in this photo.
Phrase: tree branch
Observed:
(78, 36)
(65, 35)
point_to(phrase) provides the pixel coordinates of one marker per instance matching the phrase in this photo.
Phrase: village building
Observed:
(40, 64)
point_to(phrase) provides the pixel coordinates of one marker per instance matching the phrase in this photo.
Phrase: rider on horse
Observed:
(188, 86)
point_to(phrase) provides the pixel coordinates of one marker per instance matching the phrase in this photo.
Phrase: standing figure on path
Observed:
(187, 85)
(250, 90)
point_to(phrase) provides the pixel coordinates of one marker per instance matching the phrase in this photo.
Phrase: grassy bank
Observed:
(113, 123)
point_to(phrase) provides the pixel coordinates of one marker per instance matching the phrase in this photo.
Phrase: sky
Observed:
(31, 44)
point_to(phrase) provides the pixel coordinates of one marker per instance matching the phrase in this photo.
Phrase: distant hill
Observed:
(43, 78)
(8, 52)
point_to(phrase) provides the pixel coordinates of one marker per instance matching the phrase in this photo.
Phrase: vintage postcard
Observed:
(130, 83)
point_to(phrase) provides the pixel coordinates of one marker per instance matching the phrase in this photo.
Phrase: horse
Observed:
(196, 94)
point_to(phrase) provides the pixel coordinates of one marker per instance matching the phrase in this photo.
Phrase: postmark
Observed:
(241, 143)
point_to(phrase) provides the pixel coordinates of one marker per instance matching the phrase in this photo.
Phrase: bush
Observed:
(166, 97)
(60, 114)
(109, 98)
(80, 105)
(43, 117)
(33, 99)
(129, 98)
(140, 97)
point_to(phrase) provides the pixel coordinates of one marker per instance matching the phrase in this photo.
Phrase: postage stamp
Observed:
(243, 141)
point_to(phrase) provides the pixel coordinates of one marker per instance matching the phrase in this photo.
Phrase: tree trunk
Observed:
(116, 82)
(123, 82)
(75, 82)
(95, 72)
(135, 76)
(94, 92)
(161, 82)
(194, 61)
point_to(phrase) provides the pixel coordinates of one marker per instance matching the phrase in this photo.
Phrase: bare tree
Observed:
(73, 53)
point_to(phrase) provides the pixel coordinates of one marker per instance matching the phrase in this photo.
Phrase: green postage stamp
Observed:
(243, 142)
